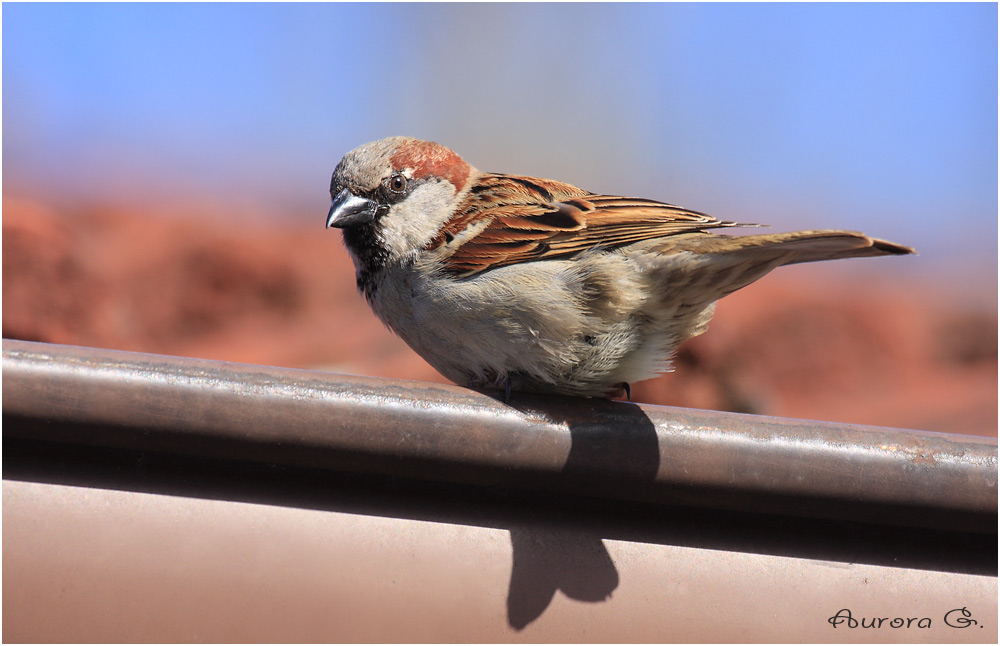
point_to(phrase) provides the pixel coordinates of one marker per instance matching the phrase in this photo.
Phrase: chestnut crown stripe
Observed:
(428, 159)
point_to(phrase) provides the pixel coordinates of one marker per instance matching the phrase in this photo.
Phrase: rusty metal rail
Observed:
(607, 450)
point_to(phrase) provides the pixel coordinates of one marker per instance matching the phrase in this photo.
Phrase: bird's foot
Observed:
(620, 390)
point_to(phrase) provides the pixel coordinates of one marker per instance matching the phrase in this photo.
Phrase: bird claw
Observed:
(621, 389)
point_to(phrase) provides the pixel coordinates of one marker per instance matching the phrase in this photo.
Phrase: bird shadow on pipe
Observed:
(548, 557)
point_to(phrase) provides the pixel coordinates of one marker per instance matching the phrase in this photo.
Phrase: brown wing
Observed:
(508, 219)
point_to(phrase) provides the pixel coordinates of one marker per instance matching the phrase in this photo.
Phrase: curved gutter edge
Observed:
(670, 456)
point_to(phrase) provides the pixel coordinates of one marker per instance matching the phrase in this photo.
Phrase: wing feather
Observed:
(517, 219)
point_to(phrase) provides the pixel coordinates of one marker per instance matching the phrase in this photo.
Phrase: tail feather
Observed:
(813, 246)
(728, 263)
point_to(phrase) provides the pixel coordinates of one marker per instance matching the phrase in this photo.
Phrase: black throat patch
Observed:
(369, 253)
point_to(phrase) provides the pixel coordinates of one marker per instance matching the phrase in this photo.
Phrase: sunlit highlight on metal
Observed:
(445, 433)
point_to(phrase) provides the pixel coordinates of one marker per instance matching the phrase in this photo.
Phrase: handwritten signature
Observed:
(956, 618)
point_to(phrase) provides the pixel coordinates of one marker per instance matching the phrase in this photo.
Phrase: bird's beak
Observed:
(348, 210)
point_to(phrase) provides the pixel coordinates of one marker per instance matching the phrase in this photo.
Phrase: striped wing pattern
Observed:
(526, 218)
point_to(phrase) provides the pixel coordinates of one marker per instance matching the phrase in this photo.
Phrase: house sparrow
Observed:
(511, 282)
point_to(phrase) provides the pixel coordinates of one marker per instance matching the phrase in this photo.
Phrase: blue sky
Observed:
(878, 117)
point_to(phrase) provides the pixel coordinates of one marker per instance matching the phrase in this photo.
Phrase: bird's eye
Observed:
(397, 183)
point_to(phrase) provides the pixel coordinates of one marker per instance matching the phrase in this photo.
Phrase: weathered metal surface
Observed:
(672, 456)
(151, 498)
(85, 564)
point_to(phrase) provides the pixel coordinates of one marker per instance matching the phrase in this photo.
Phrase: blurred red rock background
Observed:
(803, 342)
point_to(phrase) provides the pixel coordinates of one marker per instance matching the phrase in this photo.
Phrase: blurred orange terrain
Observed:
(796, 344)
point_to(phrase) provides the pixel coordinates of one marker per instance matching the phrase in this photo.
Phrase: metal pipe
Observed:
(670, 456)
